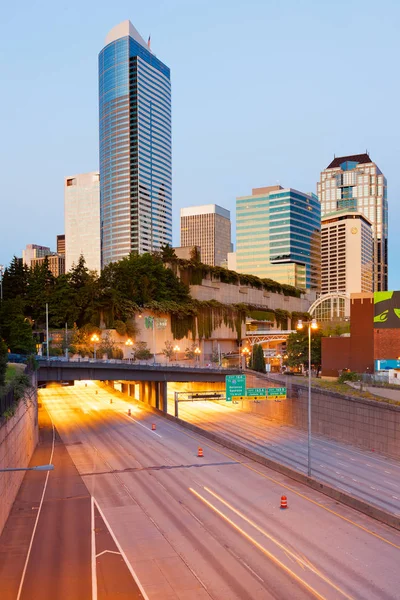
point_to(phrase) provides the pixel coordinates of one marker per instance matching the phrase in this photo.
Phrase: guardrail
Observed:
(128, 363)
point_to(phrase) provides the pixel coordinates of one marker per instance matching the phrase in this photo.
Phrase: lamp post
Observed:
(1, 282)
(95, 339)
(176, 350)
(197, 352)
(245, 354)
(311, 325)
(37, 468)
(129, 343)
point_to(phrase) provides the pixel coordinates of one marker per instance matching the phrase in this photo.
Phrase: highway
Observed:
(201, 528)
(365, 474)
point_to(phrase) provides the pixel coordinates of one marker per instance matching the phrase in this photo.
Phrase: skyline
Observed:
(217, 156)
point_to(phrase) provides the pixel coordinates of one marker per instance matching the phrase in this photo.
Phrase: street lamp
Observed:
(129, 342)
(95, 338)
(1, 282)
(311, 325)
(197, 352)
(245, 353)
(37, 468)
(176, 350)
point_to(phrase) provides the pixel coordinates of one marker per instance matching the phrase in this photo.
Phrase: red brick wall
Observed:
(362, 335)
(386, 343)
(335, 355)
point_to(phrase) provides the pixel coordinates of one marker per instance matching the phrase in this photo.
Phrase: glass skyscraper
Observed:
(356, 183)
(135, 146)
(278, 236)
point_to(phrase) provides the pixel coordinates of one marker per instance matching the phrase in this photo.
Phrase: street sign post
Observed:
(277, 393)
(235, 386)
(256, 391)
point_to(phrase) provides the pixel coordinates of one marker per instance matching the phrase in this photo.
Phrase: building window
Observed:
(71, 182)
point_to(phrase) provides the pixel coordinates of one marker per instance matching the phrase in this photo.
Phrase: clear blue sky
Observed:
(262, 91)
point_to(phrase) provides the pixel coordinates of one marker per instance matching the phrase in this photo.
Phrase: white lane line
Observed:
(128, 564)
(38, 515)
(141, 425)
(388, 472)
(93, 561)
(108, 552)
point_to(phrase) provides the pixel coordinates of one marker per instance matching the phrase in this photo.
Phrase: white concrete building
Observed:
(34, 251)
(82, 220)
(346, 253)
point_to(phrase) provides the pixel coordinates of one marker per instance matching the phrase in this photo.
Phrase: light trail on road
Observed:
(142, 484)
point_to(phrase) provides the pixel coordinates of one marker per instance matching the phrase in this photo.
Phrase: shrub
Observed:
(348, 376)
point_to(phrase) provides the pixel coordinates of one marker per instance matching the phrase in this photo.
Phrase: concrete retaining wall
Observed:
(365, 423)
(18, 438)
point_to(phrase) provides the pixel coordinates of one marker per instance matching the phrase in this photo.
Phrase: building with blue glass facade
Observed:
(135, 146)
(278, 236)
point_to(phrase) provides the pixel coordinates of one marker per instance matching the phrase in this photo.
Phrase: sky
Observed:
(263, 92)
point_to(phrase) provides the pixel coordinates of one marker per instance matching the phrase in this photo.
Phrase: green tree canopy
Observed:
(297, 348)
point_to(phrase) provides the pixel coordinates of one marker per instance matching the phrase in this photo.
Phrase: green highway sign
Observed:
(277, 393)
(256, 391)
(235, 386)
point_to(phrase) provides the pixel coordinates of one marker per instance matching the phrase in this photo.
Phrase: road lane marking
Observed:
(93, 550)
(287, 487)
(259, 546)
(38, 514)
(141, 425)
(128, 564)
(299, 559)
(107, 552)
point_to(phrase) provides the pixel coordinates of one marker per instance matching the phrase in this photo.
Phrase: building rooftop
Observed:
(122, 30)
(359, 158)
(205, 209)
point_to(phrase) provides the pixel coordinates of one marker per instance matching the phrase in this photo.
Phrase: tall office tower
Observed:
(135, 146)
(209, 227)
(278, 236)
(33, 251)
(346, 253)
(61, 244)
(82, 220)
(356, 183)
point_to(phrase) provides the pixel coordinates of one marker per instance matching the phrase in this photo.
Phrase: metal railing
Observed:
(129, 363)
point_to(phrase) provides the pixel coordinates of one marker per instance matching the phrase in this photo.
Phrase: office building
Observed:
(56, 263)
(278, 236)
(356, 183)
(61, 244)
(135, 146)
(209, 227)
(82, 220)
(346, 253)
(33, 251)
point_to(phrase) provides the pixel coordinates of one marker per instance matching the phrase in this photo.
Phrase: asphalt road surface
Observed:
(185, 527)
(365, 474)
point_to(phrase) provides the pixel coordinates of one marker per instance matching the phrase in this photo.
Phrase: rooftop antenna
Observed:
(149, 42)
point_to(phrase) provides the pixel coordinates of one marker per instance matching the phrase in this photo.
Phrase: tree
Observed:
(168, 351)
(141, 351)
(15, 280)
(257, 362)
(3, 362)
(297, 348)
(190, 352)
(21, 339)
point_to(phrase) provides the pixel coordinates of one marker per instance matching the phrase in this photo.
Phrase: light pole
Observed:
(1, 282)
(129, 342)
(197, 352)
(311, 325)
(95, 338)
(37, 468)
(176, 350)
(245, 353)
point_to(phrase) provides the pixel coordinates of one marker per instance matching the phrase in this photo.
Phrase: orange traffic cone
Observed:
(284, 502)
(129, 412)
(153, 426)
(200, 453)
(110, 400)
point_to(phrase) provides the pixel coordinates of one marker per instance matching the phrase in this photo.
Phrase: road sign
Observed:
(249, 398)
(235, 386)
(277, 393)
(256, 391)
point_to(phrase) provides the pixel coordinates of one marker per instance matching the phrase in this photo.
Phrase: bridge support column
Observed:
(125, 388)
(132, 390)
(163, 398)
(142, 391)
